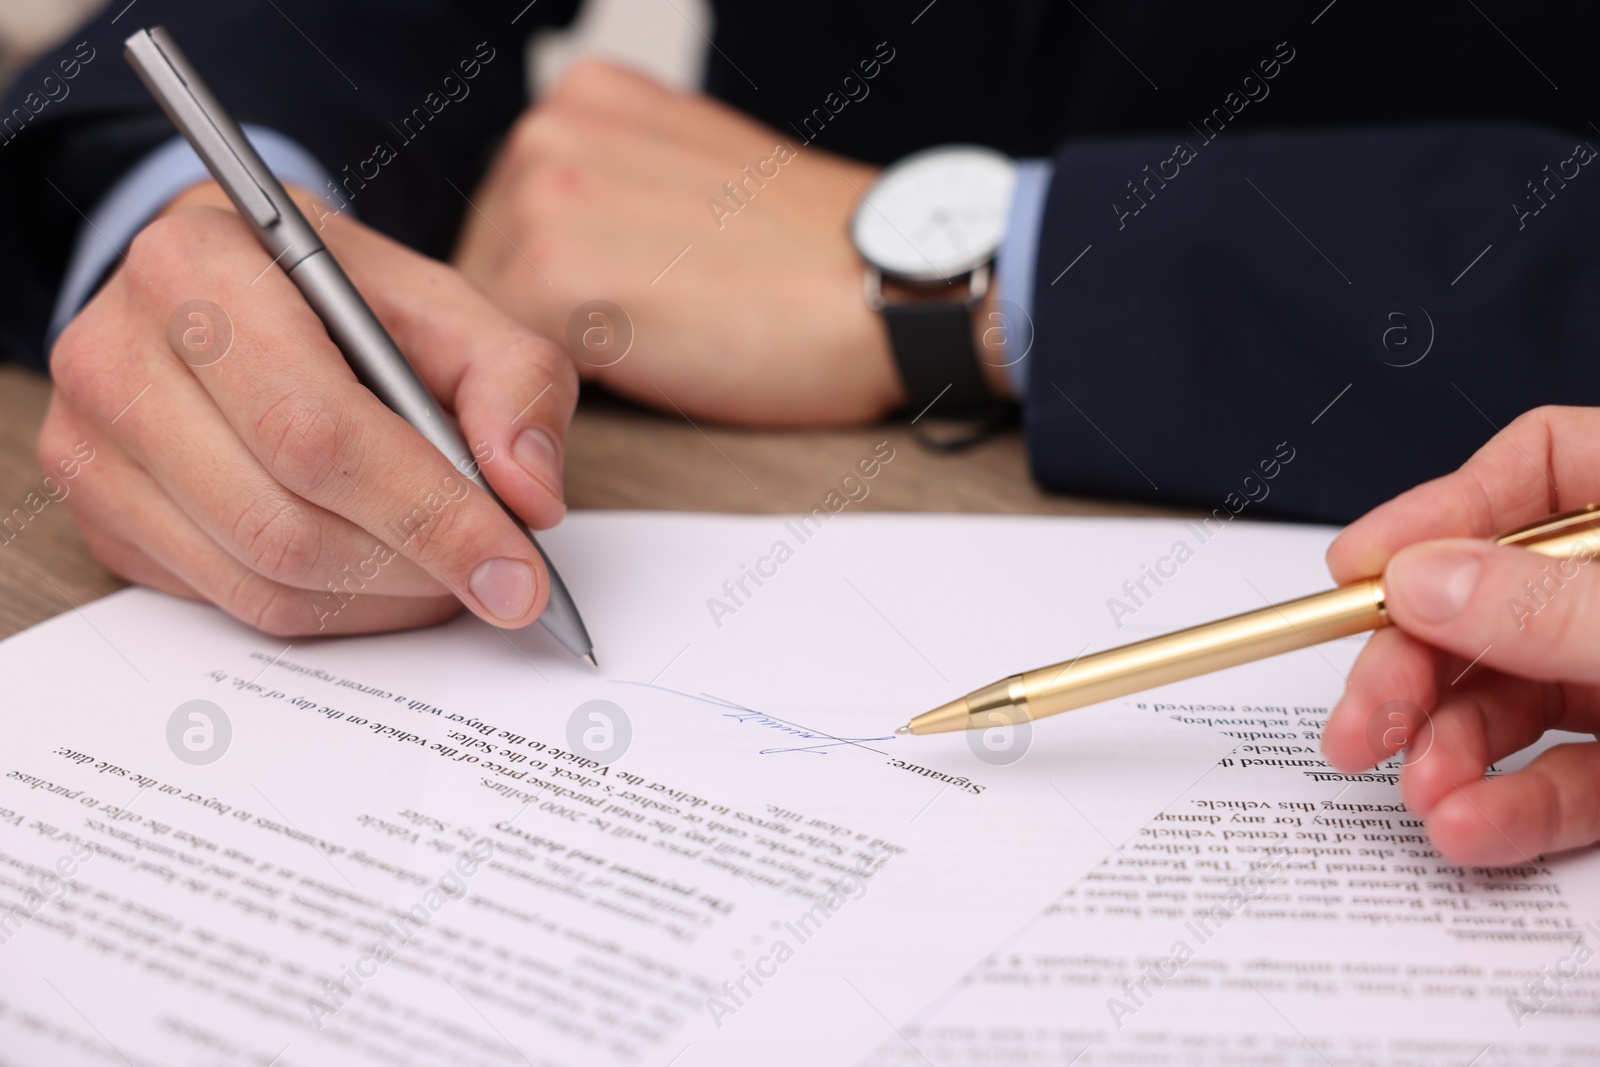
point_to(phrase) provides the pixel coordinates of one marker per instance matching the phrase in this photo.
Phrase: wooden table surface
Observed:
(618, 456)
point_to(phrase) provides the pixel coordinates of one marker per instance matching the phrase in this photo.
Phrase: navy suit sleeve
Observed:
(341, 77)
(1373, 303)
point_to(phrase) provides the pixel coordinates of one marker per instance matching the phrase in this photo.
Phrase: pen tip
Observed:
(906, 729)
(588, 657)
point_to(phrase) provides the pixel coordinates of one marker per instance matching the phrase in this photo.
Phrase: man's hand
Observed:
(1491, 647)
(725, 243)
(256, 472)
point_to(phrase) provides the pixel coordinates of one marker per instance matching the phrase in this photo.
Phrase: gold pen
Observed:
(1214, 646)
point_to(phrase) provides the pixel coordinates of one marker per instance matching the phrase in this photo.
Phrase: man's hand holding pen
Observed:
(305, 472)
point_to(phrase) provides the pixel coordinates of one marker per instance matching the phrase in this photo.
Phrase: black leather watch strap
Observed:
(932, 345)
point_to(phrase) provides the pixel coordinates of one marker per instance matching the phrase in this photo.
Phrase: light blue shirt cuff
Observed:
(1018, 257)
(109, 229)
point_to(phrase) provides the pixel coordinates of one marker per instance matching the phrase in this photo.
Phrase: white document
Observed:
(1281, 912)
(424, 848)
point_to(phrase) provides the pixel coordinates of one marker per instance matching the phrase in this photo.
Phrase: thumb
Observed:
(1534, 616)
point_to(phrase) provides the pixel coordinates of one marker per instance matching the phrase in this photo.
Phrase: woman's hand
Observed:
(1491, 646)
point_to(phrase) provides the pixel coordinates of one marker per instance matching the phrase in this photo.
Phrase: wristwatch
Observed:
(932, 221)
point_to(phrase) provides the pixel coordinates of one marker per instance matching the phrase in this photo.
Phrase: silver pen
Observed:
(294, 245)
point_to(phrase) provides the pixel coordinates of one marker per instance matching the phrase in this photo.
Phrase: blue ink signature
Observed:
(742, 714)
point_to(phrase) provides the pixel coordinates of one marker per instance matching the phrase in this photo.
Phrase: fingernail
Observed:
(1433, 584)
(504, 587)
(535, 451)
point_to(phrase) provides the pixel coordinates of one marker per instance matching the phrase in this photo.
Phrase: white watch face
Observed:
(936, 214)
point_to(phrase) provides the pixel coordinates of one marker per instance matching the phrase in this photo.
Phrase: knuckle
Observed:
(535, 132)
(594, 78)
(183, 255)
(71, 351)
(56, 438)
(548, 135)
(157, 250)
(164, 250)
(278, 540)
(1533, 432)
(1543, 415)
(78, 360)
(581, 80)
(432, 530)
(309, 443)
(272, 609)
(524, 349)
